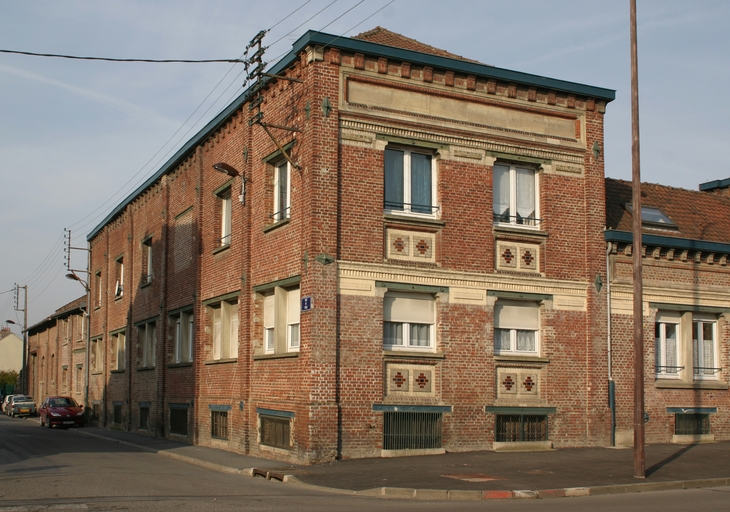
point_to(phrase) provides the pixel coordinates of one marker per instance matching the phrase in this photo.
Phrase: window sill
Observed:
(502, 228)
(284, 355)
(523, 446)
(221, 249)
(117, 299)
(145, 368)
(96, 372)
(278, 223)
(413, 219)
(117, 371)
(414, 354)
(693, 438)
(679, 384)
(521, 358)
(145, 284)
(221, 361)
(180, 365)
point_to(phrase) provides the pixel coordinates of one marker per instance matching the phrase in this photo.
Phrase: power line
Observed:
(112, 59)
(341, 15)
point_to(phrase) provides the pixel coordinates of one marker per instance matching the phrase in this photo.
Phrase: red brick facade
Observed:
(500, 314)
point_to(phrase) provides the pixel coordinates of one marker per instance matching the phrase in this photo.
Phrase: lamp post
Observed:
(22, 366)
(74, 277)
(23, 372)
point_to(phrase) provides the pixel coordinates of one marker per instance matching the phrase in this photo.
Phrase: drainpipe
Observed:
(611, 383)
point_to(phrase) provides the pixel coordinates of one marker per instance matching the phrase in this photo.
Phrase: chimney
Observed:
(719, 187)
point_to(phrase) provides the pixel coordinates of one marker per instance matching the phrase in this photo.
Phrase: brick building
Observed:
(401, 256)
(686, 304)
(57, 353)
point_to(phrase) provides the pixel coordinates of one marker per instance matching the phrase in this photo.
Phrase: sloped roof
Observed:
(384, 36)
(698, 215)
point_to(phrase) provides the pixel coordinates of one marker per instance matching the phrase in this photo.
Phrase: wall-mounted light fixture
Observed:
(232, 172)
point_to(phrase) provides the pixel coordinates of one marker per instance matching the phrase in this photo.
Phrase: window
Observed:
(79, 378)
(99, 289)
(282, 191)
(147, 341)
(144, 417)
(408, 321)
(219, 424)
(412, 430)
(516, 328)
(183, 323)
(95, 356)
(515, 195)
(146, 261)
(64, 379)
(224, 199)
(653, 217)
(225, 330)
(691, 424)
(119, 285)
(282, 315)
(410, 183)
(275, 431)
(510, 428)
(666, 335)
(179, 420)
(704, 348)
(117, 416)
(119, 350)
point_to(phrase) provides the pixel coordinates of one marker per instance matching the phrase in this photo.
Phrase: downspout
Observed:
(88, 333)
(611, 383)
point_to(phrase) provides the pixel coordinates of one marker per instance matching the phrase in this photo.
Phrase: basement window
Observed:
(511, 428)
(412, 430)
(691, 424)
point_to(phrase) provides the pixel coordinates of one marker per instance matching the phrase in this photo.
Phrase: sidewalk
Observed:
(472, 475)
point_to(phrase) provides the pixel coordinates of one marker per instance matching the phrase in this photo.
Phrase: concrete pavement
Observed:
(472, 475)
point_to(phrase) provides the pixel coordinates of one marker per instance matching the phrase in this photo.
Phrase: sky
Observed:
(77, 136)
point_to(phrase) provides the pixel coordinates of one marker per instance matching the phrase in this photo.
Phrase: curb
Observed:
(439, 494)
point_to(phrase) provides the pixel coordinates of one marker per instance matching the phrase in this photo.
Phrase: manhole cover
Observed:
(472, 477)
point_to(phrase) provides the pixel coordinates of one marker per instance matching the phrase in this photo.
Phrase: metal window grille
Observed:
(521, 427)
(276, 432)
(144, 417)
(411, 430)
(179, 421)
(691, 424)
(219, 424)
(117, 417)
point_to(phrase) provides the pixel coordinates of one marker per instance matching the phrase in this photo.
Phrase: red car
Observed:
(62, 411)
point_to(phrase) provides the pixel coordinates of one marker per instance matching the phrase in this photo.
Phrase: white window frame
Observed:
(226, 212)
(532, 222)
(147, 260)
(662, 370)
(282, 314)
(282, 191)
(524, 323)
(119, 285)
(407, 206)
(184, 336)
(96, 363)
(224, 316)
(396, 306)
(147, 340)
(293, 309)
(699, 354)
(119, 346)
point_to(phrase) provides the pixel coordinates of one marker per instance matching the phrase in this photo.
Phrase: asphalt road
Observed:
(42, 469)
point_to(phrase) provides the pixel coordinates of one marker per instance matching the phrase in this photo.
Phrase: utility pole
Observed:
(639, 456)
(23, 369)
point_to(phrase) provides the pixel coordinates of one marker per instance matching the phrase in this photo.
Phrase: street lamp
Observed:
(73, 277)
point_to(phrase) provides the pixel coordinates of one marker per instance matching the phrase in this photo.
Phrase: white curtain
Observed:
(525, 193)
(501, 191)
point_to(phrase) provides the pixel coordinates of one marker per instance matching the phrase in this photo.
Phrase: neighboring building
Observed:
(57, 353)
(686, 304)
(11, 351)
(420, 277)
